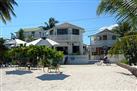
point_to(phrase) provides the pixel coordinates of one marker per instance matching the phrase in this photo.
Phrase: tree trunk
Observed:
(133, 70)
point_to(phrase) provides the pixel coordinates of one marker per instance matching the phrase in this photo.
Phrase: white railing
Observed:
(76, 59)
(65, 37)
(104, 42)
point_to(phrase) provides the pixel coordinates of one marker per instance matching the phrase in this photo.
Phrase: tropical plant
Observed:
(2, 50)
(50, 24)
(126, 45)
(124, 10)
(6, 9)
(36, 55)
(121, 29)
(21, 34)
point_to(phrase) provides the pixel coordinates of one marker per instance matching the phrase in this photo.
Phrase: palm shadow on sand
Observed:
(52, 77)
(18, 72)
(126, 74)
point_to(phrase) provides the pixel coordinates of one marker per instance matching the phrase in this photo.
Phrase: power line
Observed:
(55, 1)
(74, 20)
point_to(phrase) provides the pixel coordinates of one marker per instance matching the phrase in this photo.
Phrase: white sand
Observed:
(73, 78)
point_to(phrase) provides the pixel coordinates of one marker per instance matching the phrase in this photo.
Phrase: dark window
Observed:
(63, 49)
(113, 37)
(51, 32)
(100, 38)
(40, 34)
(75, 31)
(75, 49)
(62, 31)
(33, 33)
(104, 37)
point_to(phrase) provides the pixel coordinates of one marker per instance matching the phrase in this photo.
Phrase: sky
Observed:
(33, 13)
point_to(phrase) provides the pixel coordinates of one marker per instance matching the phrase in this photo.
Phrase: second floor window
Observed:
(75, 31)
(104, 37)
(51, 32)
(33, 33)
(40, 34)
(62, 31)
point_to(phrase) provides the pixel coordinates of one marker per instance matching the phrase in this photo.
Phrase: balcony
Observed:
(101, 43)
(65, 37)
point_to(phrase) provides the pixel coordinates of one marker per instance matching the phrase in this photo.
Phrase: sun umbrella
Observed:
(42, 41)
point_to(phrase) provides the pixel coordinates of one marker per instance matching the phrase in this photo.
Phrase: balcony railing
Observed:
(65, 37)
(103, 42)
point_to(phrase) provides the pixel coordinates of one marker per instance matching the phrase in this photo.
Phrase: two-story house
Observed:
(32, 33)
(101, 42)
(69, 37)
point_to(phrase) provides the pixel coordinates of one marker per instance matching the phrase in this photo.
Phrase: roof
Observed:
(67, 25)
(32, 29)
(105, 30)
(40, 41)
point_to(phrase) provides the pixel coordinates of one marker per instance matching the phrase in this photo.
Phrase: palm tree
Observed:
(124, 10)
(121, 29)
(2, 50)
(50, 24)
(126, 45)
(6, 9)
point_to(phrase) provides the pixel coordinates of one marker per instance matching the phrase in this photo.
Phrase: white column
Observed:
(69, 49)
(81, 48)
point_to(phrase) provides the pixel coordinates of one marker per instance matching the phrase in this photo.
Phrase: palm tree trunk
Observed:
(133, 70)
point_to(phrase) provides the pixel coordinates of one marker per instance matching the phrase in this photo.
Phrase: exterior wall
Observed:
(68, 39)
(37, 34)
(76, 59)
(113, 59)
(100, 43)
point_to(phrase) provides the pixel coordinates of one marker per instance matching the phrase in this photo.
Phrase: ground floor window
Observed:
(76, 49)
(64, 49)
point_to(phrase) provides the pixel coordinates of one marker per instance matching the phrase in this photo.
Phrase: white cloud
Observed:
(108, 27)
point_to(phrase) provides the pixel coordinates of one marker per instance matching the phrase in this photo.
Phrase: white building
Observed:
(34, 33)
(69, 37)
(100, 43)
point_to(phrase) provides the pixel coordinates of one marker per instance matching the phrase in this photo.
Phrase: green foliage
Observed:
(122, 29)
(50, 24)
(6, 9)
(126, 45)
(37, 55)
(125, 61)
(2, 50)
(14, 62)
(125, 11)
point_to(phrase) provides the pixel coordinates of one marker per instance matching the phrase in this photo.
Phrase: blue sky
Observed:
(33, 13)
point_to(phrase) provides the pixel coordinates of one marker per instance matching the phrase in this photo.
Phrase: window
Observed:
(113, 37)
(75, 31)
(33, 33)
(104, 37)
(40, 34)
(100, 38)
(76, 49)
(62, 31)
(51, 32)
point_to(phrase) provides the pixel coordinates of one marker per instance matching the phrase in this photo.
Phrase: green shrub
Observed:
(14, 62)
(125, 61)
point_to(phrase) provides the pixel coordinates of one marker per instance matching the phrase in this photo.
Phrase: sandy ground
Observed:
(73, 78)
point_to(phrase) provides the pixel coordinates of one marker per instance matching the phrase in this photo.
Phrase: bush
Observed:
(14, 62)
(125, 61)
